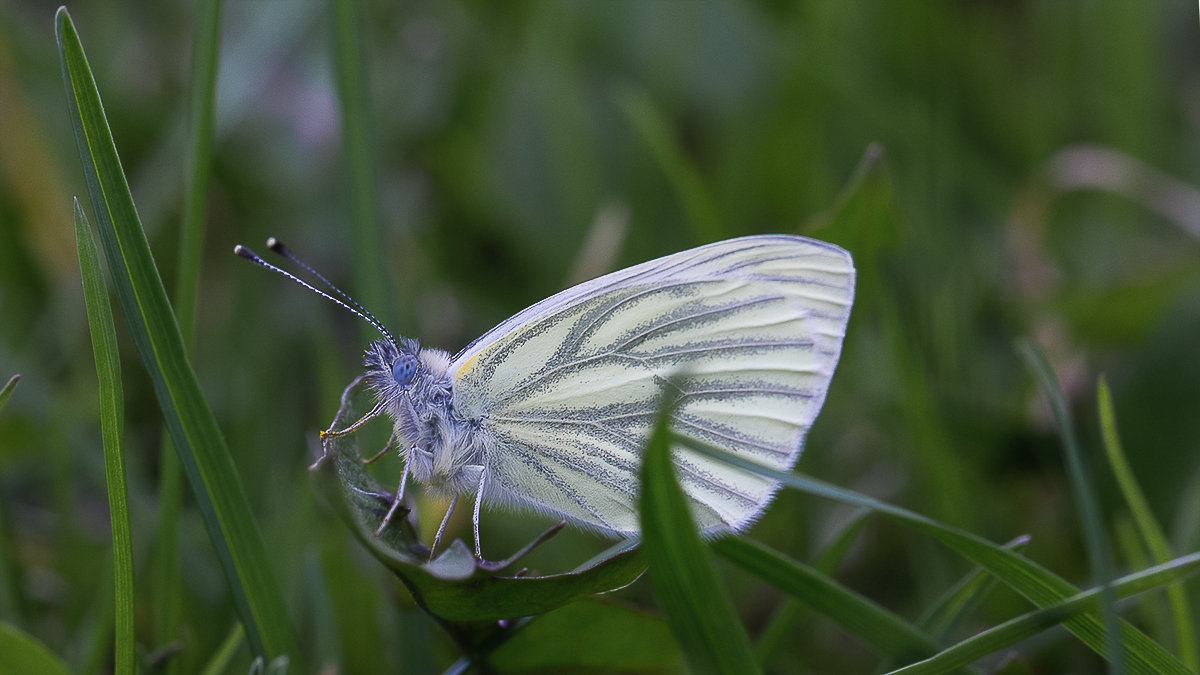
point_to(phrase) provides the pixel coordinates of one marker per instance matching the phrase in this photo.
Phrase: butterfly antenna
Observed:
(278, 247)
(356, 309)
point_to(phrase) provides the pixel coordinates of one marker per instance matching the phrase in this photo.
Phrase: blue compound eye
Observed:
(403, 369)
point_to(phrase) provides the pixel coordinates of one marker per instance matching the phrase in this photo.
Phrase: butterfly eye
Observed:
(403, 369)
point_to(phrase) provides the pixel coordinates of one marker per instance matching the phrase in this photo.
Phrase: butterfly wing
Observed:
(566, 391)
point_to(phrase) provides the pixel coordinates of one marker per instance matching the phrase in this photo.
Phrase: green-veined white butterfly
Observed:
(550, 409)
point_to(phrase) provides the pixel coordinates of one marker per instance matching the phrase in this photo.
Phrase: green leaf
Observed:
(23, 654)
(8, 389)
(217, 488)
(454, 586)
(112, 411)
(1034, 582)
(685, 580)
(1030, 624)
(861, 617)
(590, 633)
(1084, 492)
(1148, 528)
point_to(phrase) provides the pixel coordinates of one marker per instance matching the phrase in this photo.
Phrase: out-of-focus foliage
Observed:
(1038, 179)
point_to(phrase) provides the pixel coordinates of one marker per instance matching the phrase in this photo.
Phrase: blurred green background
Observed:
(1034, 172)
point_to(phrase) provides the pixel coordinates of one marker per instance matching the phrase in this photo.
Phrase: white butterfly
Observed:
(550, 410)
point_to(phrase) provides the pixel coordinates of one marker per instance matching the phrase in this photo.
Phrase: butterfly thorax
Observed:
(442, 449)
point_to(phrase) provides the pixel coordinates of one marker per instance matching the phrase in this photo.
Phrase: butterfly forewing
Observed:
(745, 333)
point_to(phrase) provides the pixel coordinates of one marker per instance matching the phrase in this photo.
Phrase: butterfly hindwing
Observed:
(745, 332)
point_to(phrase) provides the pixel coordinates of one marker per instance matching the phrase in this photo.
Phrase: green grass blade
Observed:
(350, 71)
(1034, 582)
(861, 617)
(217, 488)
(1025, 626)
(1147, 526)
(648, 120)
(780, 628)
(685, 581)
(8, 389)
(1084, 491)
(24, 654)
(965, 596)
(112, 411)
(205, 49)
(219, 661)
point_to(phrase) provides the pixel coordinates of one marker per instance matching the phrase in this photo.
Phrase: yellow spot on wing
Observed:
(463, 368)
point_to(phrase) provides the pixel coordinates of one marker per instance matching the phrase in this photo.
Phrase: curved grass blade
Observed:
(1084, 491)
(1030, 624)
(868, 621)
(781, 625)
(8, 389)
(202, 451)
(24, 654)
(1036, 583)
(1147, 526)
(112, 411)
(961, 599)
(685, 581)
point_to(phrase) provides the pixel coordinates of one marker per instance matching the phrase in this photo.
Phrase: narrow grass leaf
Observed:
(112, 412)
(1147, 525)
(1084, 491)
(8, 389)
(1034, 582)
(219, 661)
(350, 72)
(1030, 624)
(24, 654)
(867, 620)
(198, 169)
(685, 581)
(964, 597)
(648, 120)
(210, 470)
(780, 628)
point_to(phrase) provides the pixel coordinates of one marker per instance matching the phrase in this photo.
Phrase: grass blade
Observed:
(8, 389)
(350, 71)
(1034, 582)
(781, 626)
(1084, 491)
(685, 581)
(1025, 626)
(652, 126)
(861, 617)
(1147, 526)
(205, 49)
(217, 488)
(24, 654)
(112, 411)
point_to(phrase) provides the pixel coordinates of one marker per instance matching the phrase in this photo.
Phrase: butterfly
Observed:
(551, 409)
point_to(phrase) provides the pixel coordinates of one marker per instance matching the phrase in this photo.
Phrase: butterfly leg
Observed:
(387, 446)
(396, 502)
(475, 515)
(442, 528)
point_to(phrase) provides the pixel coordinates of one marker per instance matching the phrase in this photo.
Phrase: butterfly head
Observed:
(392, 367)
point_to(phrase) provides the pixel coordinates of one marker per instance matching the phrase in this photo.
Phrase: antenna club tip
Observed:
(244, 252)
(276, 245)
